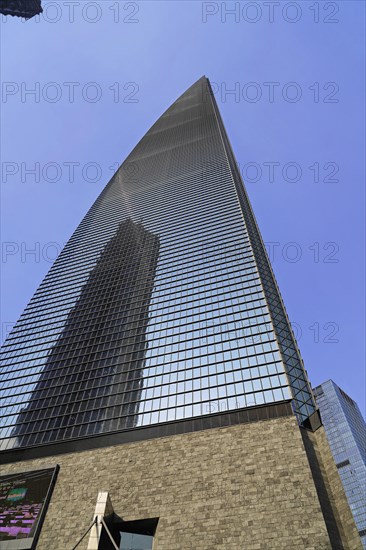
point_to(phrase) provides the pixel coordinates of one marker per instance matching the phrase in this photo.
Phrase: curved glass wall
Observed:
(162, 306)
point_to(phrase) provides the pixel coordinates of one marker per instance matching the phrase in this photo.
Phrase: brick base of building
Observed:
(251, 486)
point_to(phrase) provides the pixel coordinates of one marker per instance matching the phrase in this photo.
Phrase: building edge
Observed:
(155, 431)
(337, 514)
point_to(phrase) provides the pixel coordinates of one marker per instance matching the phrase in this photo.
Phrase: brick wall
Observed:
(241, 487)
(341, 525)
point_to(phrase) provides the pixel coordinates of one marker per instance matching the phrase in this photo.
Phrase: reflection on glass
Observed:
(113, 307)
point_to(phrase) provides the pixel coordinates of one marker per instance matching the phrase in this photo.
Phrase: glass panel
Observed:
(132, 541)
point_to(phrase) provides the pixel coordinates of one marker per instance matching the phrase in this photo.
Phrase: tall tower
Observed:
(162, 318)
(346, 432)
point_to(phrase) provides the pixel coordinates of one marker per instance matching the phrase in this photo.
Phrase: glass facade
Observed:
(162, 306)
(346, 433)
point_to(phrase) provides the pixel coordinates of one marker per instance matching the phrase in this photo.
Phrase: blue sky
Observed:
(103, 72)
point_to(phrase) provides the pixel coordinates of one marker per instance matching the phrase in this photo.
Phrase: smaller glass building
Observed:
(346, 433)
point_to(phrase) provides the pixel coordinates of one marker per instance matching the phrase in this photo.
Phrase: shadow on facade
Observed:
(93, 377)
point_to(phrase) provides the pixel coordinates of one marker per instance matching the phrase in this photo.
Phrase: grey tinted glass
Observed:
(136, 542)
(162, 305)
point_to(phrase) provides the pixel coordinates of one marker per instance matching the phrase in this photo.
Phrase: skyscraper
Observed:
(346, 433)
(161, 318)
(21, 8)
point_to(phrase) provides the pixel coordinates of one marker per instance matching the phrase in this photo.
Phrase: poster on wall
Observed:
(24, 498)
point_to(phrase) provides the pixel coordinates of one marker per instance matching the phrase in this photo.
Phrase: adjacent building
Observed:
(156, 371)
(21, 8)
(346, 432)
